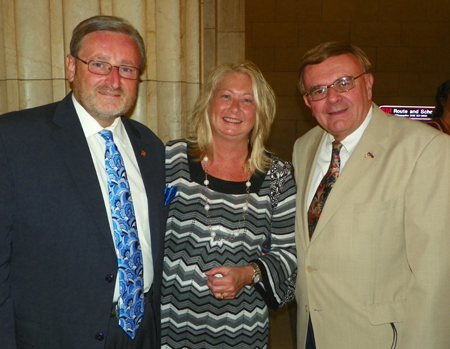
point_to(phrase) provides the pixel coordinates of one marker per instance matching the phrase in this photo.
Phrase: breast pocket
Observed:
(377, 220)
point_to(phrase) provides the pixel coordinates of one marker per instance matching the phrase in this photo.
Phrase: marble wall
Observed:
(184, 39)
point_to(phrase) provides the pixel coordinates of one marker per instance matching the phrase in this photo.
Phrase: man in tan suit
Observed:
(375, 272)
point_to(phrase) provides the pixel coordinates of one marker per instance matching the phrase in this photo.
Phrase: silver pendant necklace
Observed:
(241, 224)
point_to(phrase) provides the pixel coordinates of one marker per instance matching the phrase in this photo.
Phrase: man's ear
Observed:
(307, 101)
(369, 84)
(71, 67)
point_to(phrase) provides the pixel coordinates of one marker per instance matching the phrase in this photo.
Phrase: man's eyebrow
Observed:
(107, 60)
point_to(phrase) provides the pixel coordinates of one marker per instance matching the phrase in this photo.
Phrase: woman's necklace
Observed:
(241, 223)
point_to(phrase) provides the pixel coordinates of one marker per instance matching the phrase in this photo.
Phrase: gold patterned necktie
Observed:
(324, 188)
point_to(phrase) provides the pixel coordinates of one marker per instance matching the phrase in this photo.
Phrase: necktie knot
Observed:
(335, 162)
(336, 148)
(107, 135)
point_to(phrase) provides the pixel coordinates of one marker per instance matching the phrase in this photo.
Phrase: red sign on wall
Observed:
(411, 112)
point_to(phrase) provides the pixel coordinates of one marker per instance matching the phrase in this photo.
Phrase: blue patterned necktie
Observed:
(129, 256)
(324, 188)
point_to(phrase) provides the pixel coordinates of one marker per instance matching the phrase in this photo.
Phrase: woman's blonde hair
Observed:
(201, 143)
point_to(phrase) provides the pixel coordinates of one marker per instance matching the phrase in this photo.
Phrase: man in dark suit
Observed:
(59, 247)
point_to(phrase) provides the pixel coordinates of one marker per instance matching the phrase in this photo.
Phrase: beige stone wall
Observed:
(407, 41)
(184, 40)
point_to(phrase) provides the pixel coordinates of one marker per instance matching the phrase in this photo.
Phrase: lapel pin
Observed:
(143, 153)
(369, 155)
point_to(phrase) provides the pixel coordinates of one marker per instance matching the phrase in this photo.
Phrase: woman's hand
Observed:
(227, 282)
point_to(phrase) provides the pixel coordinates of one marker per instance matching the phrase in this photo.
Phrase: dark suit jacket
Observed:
(56, 249)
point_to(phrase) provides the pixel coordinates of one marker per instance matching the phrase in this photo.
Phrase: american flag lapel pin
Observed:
(369, 155)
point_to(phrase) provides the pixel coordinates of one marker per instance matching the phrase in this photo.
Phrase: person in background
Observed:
(82, 206)
(230, 250)
(441, 113)
(372, 224)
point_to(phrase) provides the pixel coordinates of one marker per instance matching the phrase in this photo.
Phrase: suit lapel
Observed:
(75, 152)
(310, 165)
(147, 166)
(358, 165)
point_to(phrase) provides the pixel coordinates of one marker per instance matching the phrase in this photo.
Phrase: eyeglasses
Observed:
(344, 84)
(104, 68)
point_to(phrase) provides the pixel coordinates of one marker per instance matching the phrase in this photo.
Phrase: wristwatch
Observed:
(257, 276)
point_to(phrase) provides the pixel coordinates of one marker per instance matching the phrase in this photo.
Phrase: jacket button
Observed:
(310, 269)
(99, 336)
(109, 278)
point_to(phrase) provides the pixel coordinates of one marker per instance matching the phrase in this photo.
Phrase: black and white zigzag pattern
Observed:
(191, 316)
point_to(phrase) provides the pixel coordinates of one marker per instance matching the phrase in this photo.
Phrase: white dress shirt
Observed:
(323, 161)
(97, 145)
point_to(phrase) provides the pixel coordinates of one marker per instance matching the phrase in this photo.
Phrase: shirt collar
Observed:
(91, 126)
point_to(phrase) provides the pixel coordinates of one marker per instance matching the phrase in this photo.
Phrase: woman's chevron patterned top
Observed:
(191, 316)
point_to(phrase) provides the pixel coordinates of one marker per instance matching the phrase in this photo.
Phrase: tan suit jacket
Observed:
(380, 253)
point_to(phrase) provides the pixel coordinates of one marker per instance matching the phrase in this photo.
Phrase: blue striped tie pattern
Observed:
(129, 256)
